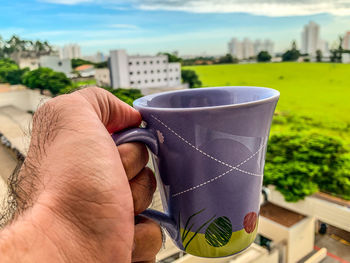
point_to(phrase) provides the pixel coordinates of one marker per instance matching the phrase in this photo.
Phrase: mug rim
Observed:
(140, 103)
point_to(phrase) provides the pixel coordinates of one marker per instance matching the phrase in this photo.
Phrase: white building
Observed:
(96, 58)
(310, 39)
(246, 49)
(70, 51)
(266, 45)
(143, 72)
(346, 41)
(31, 63)
(56, 64)
(235, 48)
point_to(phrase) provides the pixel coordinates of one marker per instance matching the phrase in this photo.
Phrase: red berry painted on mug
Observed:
(249, 222)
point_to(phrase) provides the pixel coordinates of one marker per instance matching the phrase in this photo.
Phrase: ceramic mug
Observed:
(208, 148)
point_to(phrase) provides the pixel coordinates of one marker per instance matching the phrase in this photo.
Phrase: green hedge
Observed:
(300, 164)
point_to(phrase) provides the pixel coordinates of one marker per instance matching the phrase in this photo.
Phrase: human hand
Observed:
(77, 194)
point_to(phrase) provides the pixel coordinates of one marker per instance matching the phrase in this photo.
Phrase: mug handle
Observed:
(147, 137)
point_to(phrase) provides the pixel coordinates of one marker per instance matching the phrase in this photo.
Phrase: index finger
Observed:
(115, 114)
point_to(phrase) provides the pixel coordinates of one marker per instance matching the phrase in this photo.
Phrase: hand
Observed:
(78, 194)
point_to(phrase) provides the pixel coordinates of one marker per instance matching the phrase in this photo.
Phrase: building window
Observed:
(138, 72)
(151, 62)
(151, 71)
(139, 82)
(158, 71)
(130, 63)
(164, 61)
(131, 73)
(145, 72)
(164, 70)
(131, 82)
(145, 62)
(177, 78)
(60, 63)
(158, 80)
(146, 81)
(137, 63)
(152, 80)
(171, 70)
(171, 78)
(157, 61)
(165, 79)
(176, 69)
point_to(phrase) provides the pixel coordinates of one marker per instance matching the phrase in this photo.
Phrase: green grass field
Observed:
(317, 90)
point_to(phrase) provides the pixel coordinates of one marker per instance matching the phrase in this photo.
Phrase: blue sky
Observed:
(150, 26)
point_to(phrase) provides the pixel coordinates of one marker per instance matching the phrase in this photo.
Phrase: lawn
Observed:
(314, 104)
(317, 90)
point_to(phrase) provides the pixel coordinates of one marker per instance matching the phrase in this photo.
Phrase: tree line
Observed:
(26, 47)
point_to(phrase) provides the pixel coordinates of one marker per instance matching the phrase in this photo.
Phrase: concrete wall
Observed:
(299, 238)
(328, 212)
(27, 100)
(102, 76)
(119, 69)
(57, 64)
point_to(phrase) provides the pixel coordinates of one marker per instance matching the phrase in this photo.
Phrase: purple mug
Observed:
(208, 148)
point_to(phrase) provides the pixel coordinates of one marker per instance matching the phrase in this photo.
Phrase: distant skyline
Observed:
(191, 27)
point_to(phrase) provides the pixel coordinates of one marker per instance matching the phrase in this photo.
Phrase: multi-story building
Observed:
(70, 51)
(143, 72)
(235, 48)
(310, 39)
(266, 45)
(96, 58)
(246, 49)
(346, 41)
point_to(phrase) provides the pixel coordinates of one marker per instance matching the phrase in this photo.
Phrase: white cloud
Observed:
(257, 7)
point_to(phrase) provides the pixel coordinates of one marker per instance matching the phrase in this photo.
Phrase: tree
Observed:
(291, 55)
(26, 47)
(227, 59)
(76, 62)
(126, 95)
(190, 77)
(171, 57)
(46, 78)
(10, 72)
(336, 53)
(318, 55)
(264, 56)
(300, 164)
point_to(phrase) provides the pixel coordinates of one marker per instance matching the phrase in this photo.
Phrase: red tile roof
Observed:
(84, 67)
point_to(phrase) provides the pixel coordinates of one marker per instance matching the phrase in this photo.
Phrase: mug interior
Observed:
(207, 97)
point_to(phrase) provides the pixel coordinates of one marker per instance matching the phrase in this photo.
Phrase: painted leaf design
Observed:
(219, 232)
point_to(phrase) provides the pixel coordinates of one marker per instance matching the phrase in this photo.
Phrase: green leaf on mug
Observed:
(219, 232)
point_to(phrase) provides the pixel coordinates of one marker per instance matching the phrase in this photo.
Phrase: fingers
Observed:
(147, 240)
(143, 187)
(134, 157)
(113, 113)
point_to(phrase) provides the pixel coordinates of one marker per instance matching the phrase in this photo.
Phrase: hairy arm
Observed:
(75, 201)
